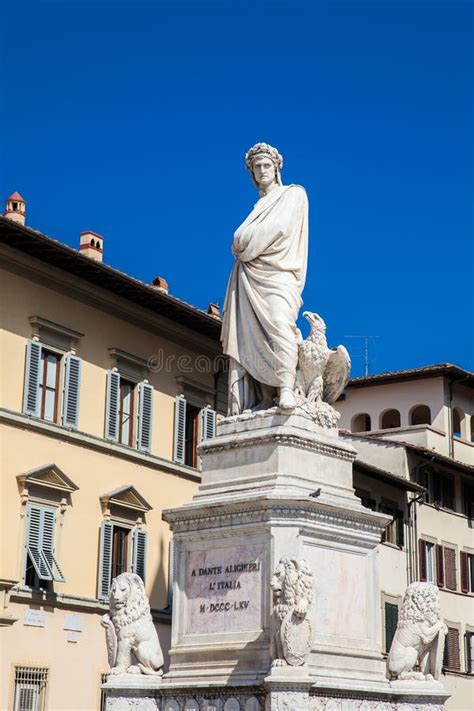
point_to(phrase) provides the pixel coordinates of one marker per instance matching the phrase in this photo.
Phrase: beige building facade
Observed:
(107, 387)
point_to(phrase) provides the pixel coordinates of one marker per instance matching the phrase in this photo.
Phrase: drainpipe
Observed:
(413, 522)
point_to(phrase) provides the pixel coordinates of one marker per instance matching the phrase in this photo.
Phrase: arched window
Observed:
(458, 417)
(92, 243)
(361, 423)
(389, 419)
(420, 415)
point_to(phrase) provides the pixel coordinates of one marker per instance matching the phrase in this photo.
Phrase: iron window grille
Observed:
(30, 688)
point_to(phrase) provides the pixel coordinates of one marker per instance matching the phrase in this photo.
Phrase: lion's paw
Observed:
(118, 670)
(133, 669)
(279, 663)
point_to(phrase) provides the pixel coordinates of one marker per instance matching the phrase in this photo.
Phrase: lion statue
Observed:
(419, 637)
(292, 586)
(132, 641)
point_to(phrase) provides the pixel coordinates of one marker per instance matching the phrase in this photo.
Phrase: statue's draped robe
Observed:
(263, 297)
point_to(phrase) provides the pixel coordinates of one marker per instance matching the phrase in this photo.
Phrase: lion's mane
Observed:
(420, 603)
(297, 583)
(137, 603)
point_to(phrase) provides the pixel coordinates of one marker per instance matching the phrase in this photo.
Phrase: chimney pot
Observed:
(92, 245)
(160, 284)
(213, 310)
(15, 208)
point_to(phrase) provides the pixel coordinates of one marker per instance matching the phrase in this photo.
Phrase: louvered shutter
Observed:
(422, 559)
(208, 423)
(34, 544)
(179, 429)
(145, 417)
(452, 658)
(72, 383)
(469, 637)
(31, 400)
(105, 559)
(400, 529)
(391, 621)
(112, 406)
(139, 553)
(450, 568)
(464, 572)
(439, 566)
(47, 545)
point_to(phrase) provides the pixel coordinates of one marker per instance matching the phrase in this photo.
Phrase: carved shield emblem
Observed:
(297, 638)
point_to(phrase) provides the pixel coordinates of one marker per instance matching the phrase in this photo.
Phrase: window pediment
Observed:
(126, 497)
(129, 365)
(54, 334)
(49, 476)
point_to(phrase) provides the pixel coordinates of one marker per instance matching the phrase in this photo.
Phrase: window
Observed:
(103, 698)
(469, 642)
(468, 500)
(426, 562)
(452, 659)
(365, 499)
(40, 561)
(361, 423)
(442, 491)
(123, 423)
(449, 555)
(122, 549)
(119, 551)
(458, 417)
(42, 384)
(420, 415)
(390, 419)
(49, 385)
(467, 572)
(191, 436)
(394, 531)
(125, 412)
(391, 621)
(30, 688)
(192, 425)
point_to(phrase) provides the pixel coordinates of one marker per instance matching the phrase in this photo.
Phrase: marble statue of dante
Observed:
(263, 297)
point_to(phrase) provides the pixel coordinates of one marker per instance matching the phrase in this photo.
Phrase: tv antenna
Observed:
(366, 340)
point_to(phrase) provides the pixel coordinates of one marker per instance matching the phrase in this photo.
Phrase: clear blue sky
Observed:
(132, 119)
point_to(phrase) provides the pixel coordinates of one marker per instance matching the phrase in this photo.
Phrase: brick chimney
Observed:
(213, 310)
(160, 284)
(92, 245)
(16, 208)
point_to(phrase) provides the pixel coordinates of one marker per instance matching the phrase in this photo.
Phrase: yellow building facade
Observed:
(107, 387)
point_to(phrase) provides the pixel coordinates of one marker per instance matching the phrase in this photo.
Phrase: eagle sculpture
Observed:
(322, 372)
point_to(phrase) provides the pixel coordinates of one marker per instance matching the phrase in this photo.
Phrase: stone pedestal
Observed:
(273, 486)
(276, 486)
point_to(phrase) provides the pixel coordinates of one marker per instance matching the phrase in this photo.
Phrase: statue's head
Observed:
(264, 163)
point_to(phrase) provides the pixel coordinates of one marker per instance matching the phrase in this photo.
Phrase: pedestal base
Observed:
(275, 694)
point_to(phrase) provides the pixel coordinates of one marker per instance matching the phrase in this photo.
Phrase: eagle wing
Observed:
(336, 374)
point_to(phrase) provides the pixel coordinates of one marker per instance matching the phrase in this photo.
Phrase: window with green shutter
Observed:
(121, 549)
(72, 383)
(391, 621)
(41, 564)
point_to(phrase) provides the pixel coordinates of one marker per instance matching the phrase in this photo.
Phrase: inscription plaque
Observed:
(224, 589)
